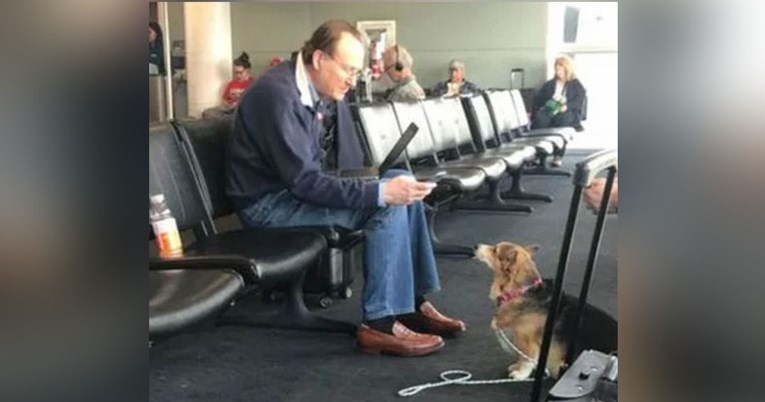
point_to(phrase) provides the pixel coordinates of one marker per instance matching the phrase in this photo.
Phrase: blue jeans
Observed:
(399, 263)
(563, 119)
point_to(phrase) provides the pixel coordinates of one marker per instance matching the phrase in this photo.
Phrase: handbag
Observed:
(554, 105)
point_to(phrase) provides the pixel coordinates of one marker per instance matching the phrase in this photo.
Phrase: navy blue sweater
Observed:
(275, 146)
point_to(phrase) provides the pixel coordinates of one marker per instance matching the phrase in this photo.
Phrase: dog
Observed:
(523, 299)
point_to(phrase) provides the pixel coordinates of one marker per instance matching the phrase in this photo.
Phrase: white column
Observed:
(168, 111)
(208, 53)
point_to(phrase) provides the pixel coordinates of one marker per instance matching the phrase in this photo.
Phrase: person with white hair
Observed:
(397, 64)
(456, 84)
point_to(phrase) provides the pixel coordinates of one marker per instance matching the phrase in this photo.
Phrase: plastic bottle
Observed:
(165, 228)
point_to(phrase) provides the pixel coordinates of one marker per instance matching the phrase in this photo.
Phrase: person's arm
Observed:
(439, 89)
(471, 87)
(160, 49)
(287, 144)
(575, 96)
(226, 97)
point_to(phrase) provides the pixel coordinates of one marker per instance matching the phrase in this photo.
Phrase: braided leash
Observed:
(463, 379)
(465, 376)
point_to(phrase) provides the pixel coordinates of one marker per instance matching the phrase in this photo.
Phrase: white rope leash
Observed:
(465, 376)
(463, 379)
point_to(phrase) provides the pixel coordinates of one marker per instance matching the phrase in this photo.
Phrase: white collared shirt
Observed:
(308, 94)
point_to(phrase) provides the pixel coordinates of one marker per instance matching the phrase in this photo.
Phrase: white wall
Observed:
(491, 38)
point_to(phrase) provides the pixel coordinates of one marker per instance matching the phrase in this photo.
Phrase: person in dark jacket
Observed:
(291, 128)
(566, 86)
(560, 101)
(456, 84)
(156, 48)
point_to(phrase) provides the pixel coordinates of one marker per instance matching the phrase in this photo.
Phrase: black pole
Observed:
(594, 250)
(559, 276)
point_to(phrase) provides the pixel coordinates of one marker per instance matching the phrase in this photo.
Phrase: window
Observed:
(588, 32)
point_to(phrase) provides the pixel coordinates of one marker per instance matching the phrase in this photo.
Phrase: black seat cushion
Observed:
(278, 255)
(178, 298)
(207, 140)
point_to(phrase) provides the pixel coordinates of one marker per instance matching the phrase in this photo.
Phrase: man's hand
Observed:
(404, 190)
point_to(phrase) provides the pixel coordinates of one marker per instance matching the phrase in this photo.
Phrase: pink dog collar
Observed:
(516, 293)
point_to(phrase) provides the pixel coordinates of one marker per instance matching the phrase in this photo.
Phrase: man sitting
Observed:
(397, 64)
(457, 84)
(290, 129)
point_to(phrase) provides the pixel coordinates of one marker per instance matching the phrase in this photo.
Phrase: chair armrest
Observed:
(592, 165)
(337, 236)
(565, 138)
(246, 268)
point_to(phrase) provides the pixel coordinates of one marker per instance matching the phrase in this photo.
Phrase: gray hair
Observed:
(456, 64)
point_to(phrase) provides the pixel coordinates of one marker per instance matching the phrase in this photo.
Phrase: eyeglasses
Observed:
(352, 73)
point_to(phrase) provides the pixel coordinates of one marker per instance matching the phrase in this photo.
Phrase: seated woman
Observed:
(560, 101)
(234, 89)
(156, 50)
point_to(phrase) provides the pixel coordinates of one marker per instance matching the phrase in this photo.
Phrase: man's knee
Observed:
(387, 216)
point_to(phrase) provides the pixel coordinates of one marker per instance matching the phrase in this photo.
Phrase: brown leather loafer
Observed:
(403, 342)
(428, 320)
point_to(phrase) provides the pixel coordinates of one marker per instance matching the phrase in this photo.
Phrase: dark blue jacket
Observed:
(575, 97)
(443, 87)
(157, 55)
(275, 146)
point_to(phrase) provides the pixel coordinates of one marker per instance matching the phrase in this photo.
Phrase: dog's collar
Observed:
(507, 297)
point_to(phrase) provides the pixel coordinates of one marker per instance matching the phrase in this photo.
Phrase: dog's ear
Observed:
(533, 248)
(507, 259)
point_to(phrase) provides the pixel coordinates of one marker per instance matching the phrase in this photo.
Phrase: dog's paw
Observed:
(520, 371)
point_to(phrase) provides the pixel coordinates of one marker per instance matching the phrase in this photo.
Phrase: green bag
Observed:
(553, 106)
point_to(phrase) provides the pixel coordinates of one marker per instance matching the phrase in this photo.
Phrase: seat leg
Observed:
(546, 171)
(494, 203)
(517, 192)
(292, 313)
(452, 249)
(442, 248)
(543, 169)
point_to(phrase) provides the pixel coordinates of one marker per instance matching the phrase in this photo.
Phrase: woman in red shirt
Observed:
(234, 89)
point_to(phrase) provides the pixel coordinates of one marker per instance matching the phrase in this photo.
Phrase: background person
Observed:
(456, 84)
(242, 80)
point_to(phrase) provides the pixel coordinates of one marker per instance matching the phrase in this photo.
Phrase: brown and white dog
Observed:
(523, 299)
